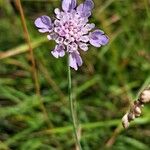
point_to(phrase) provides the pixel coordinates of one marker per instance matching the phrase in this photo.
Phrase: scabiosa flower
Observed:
(71, 30)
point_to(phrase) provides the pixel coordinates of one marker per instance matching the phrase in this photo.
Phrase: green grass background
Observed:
(104, 86)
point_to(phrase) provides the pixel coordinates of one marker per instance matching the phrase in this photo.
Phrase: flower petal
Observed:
(98, 32)
(58, 51)
(85, 9)
(43, 30)
(68, 5)
(95, 43)
(53, 36)
(84, 38)
(73, 4)
(75, 60)
(59, 40)
(83, 46)
(57, 11)
(98, 38)
(72, 47)
(72, 62)
(90, 26)
(103, 40)
(89, 5)
(55, 53)
(44, 23)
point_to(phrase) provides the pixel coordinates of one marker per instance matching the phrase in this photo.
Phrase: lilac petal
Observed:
(84, 38)
(57, 23)
(59, 40)
(80, 8)
(49, 37)
(68, 5)
(95, 43)
(44, 23)
(58, 51)
(62, 54)
(103, 39)
(98, 38)
(54, 53)
(43, 30)
(72, 62)
(72, 47)
(58, 54)
(57, 11)
(53, 36)
(73, 4)
(83, 46)
(75, 60)
(89, 5)
(98, 32)
(67, 41)
(85, 9)
(90, 26)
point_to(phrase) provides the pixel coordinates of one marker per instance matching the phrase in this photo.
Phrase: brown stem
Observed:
(34, 72)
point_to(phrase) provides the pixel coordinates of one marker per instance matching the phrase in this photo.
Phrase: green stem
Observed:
(72, 111)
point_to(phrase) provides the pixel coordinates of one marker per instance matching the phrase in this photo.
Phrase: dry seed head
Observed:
(135, 108)
(145, 96)
(137, 111)
(125, 121)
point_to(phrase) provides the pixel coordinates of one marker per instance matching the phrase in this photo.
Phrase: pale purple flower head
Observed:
(71, 30)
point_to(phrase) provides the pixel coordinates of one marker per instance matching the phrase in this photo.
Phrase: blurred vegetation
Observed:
(104, 86)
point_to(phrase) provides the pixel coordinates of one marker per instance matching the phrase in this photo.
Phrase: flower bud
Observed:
(145, 96)
(131, 116)
(137, 112)
(125, 121)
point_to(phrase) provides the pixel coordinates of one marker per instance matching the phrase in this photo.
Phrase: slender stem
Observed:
(72, 111)
(34, 71)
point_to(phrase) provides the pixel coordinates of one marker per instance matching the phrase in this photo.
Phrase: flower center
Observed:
(70, 26)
